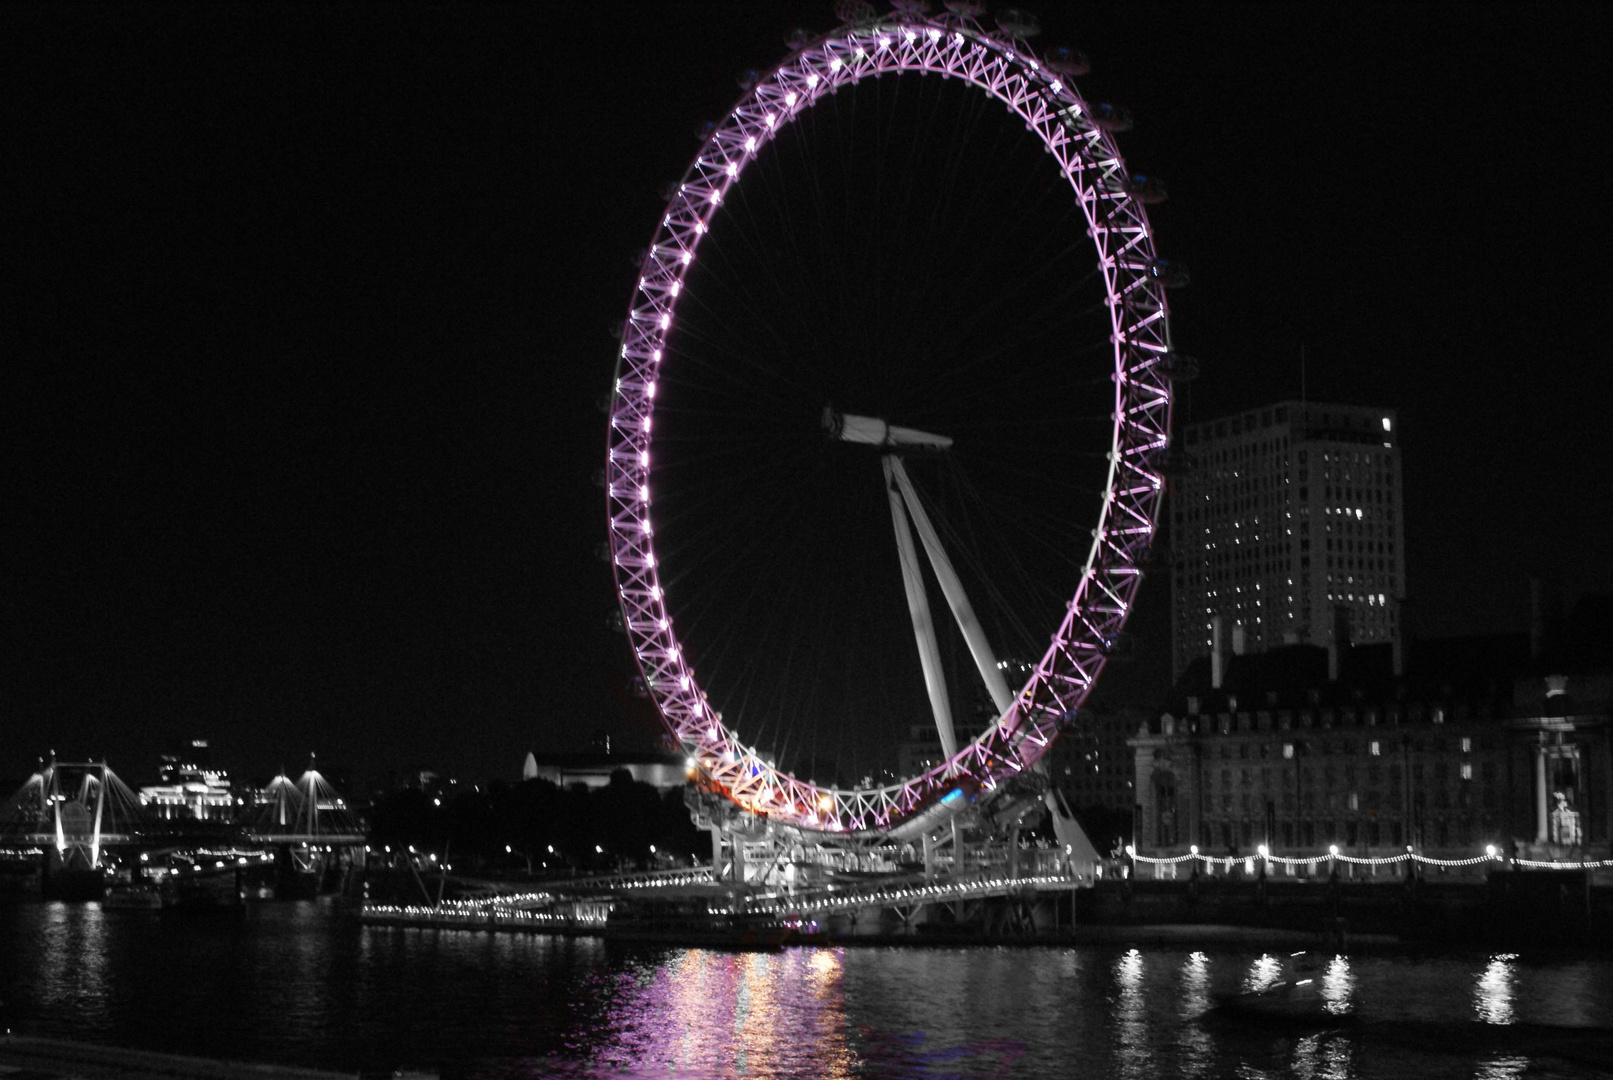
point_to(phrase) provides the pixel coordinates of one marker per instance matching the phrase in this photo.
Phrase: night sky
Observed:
(307, 321)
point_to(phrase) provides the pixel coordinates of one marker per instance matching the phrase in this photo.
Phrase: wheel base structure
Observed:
(989, 838)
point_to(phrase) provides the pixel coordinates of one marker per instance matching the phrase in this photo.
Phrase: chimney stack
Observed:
(1537, 618)
(1216, 659)
(1239, 642)
(1543, 616)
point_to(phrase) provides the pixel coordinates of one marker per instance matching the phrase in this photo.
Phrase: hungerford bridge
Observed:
(86, 827)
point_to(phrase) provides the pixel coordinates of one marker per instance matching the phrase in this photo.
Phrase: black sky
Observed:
(307, 320)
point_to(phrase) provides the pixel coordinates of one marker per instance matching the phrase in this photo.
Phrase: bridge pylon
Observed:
(73, 812)
(310, 827)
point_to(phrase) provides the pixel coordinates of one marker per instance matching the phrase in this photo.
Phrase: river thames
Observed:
(300, 983)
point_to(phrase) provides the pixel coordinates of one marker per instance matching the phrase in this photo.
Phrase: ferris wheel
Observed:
(1028, 713)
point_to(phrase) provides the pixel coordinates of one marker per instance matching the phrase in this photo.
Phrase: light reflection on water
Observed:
(1322, 1057)
(1131, 1016)
(1263, 974)
(1503, 1068)
(1492, 997)
(1337, 986)
(300, 985)
(70, 931)
(1197, 1048)
(703, 1013)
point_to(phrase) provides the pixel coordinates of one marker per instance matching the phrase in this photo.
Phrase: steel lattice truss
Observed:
(1074, 134)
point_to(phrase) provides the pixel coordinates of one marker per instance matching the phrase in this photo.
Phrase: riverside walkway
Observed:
(61, 1059)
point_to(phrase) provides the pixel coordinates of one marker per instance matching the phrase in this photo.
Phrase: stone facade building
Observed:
(1470, 748)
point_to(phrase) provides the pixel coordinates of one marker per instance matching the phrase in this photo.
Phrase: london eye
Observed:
(888, 430)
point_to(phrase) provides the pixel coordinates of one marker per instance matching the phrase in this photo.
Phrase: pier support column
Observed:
(1542, 818)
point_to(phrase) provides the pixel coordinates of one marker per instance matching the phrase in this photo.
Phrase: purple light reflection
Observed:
(731, 1014)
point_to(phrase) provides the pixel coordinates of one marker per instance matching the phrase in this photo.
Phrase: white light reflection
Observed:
(1131, 1026)
(1322, 1057)
(1263, 974)
(1195, 984)
(73, 948)
(1338, 984)
(1198, 1049)
(1492, 997)
(1505, 1068)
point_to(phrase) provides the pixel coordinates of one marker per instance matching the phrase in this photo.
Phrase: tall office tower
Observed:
(1288, 528)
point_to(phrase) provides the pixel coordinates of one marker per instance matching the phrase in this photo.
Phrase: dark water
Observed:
(297, 983)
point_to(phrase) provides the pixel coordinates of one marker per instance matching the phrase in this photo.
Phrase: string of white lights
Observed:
(1491, 854)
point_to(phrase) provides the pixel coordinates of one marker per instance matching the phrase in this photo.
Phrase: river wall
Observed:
(1553, 907)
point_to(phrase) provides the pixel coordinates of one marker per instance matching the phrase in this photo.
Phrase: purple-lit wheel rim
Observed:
(949, 47)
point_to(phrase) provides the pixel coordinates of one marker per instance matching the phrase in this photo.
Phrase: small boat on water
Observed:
(1295, 998)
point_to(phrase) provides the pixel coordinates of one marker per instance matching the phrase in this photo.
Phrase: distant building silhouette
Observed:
(593, 770)
(1287, 528)
(1092, 763)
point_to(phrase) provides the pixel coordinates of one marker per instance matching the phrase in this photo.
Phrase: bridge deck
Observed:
(552, 914)
(825, 901)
